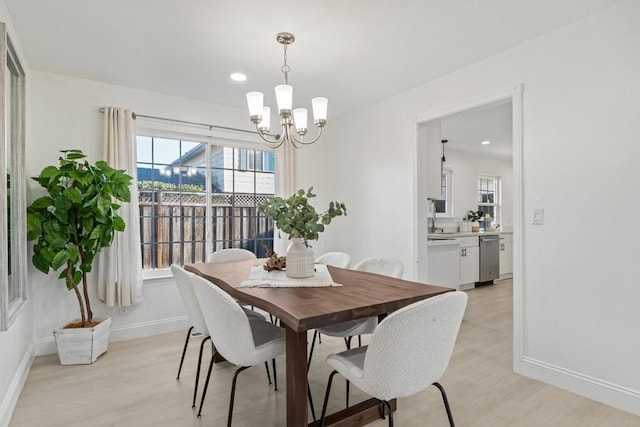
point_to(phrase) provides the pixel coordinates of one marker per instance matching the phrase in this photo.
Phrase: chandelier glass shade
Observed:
(289, 117)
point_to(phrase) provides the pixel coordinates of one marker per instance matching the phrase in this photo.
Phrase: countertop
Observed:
(448, 239)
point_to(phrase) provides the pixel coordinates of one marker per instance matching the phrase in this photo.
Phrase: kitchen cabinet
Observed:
(469, 262)
(506, 255)
(443, 263)
(429, 155)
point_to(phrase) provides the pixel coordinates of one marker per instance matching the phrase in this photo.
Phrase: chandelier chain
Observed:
(285, 68)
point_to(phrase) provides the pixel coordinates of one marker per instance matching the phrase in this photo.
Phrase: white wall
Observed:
(580, 162)
(63, 113)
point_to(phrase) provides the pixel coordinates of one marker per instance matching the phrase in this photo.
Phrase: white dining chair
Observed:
(198, 327)
(381, 265)
(409, 351)
(337, 259)
(231, 255)
(238, 339)
(347, 330)
(234, 255)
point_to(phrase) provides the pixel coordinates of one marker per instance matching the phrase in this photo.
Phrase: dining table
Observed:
(301, 309)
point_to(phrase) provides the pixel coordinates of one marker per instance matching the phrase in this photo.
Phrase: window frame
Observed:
(447, 173)
(151, 274)
(12, 106)
(497, 204)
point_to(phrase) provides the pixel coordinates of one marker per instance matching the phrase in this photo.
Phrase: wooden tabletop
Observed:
(362, 294)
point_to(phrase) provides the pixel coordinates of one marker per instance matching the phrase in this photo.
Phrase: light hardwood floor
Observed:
(134, 384)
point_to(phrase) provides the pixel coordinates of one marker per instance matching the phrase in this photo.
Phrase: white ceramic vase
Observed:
(300, 259)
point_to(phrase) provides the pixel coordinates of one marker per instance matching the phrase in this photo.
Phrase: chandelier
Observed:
(261, 115)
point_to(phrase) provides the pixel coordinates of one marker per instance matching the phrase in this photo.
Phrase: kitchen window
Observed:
(489, 196)
(443, 206)
(197, 197)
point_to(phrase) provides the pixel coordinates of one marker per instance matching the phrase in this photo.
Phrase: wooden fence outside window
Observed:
(174, 226)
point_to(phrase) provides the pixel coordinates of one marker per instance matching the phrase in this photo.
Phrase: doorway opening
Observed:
(470, 169)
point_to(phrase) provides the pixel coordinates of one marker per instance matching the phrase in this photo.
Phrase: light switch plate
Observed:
(538, 216)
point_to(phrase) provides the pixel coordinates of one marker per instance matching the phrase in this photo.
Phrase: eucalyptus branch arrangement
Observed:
(76, 220)
(296, 217)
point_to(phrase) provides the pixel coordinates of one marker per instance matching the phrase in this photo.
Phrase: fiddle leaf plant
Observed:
(296, 217)
(76, 219)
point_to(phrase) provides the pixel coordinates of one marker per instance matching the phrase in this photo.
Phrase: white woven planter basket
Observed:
(82, 346)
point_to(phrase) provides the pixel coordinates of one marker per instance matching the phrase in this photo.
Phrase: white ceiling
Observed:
(465, 131)
(355, 52)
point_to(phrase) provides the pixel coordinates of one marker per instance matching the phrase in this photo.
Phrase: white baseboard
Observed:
(593, 388)
(10, 399)
(123, 333)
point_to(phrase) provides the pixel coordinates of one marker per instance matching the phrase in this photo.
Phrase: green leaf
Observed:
(118, 223)
(74, 155)
(96, 232)
(42, 202)
(49, 171)
(40, 263)
(73, 195)
(60, 259)
(34, 226)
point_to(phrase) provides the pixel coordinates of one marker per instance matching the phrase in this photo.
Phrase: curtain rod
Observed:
(210, 126)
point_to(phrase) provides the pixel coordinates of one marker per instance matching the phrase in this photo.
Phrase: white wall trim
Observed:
(467, 105)
(10, 399)
(593, 388)
(123, 333)
(518, 226)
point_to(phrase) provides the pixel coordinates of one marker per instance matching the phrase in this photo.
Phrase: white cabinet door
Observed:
(506, 256)
(469, 264)
(429, 155)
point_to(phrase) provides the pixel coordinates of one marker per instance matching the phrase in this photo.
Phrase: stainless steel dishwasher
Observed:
(489, 259)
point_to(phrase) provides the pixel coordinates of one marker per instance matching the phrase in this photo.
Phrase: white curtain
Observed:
(285, 186)
(120, 265)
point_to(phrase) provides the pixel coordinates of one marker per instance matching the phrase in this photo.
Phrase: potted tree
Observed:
(71, 224)
(296, 217)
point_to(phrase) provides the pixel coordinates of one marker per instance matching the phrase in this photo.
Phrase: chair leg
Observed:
(206, 383)
(233, 393)
(388, 406)
(326, 398)
(446, 403)
(313, 409)
(309, 396)
(184, 351)
(195, 388)
(348, 342)
(320, 338)
(266, 366)
(313, 343)
(359, 340)
(275, 376)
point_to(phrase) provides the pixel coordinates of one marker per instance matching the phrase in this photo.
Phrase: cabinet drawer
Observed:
(467, 242)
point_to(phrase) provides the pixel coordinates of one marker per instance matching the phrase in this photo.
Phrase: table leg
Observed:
(296, 378)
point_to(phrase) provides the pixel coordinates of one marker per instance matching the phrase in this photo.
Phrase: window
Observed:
(256, 160)
(489, 196)
(198, 197)
(13, 239)
(443, 206)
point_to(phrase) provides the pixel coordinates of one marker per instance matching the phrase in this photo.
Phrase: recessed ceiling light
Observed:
(485, 142)
(238, 77)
